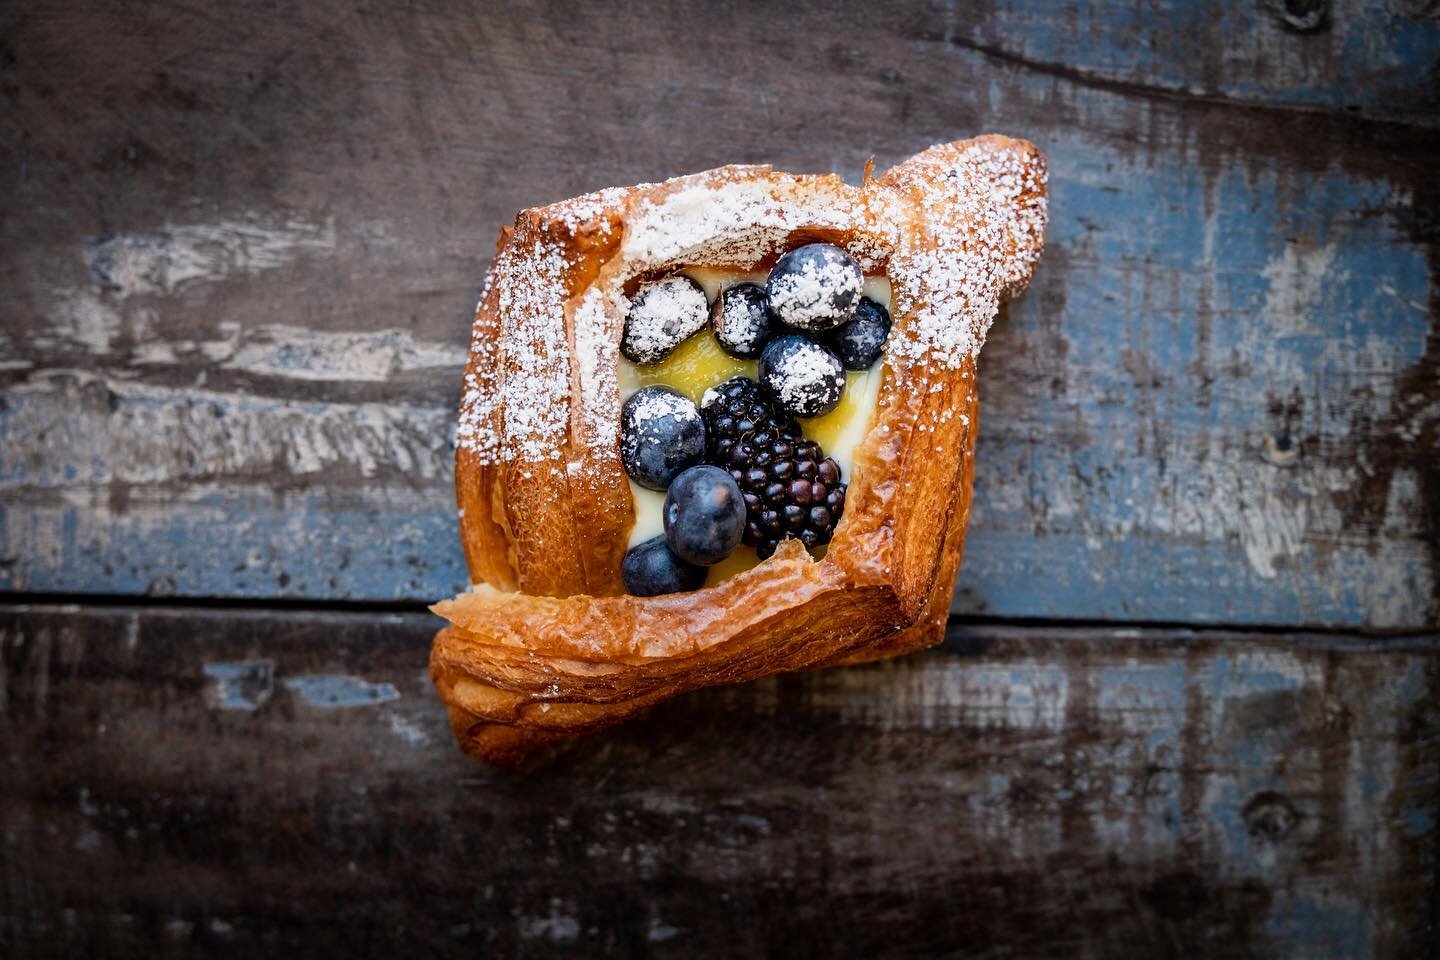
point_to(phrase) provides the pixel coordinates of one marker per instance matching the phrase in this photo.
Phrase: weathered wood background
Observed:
(239, 248)
(279, 782)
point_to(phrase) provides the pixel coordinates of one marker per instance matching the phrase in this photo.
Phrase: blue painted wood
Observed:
(241, 251)
(1370, 58)
(1227, 412)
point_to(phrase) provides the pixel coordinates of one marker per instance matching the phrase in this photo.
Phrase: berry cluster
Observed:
(790, 488)
(739, 469)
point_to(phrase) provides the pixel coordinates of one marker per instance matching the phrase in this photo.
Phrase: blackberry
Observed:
(737, 409)
(790, 488)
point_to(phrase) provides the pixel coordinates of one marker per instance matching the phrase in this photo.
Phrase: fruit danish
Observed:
(722, 427)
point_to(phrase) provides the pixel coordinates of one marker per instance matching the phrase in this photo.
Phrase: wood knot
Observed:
(1270, 816)
(1281, 449)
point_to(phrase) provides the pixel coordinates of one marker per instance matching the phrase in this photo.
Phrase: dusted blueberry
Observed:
(742, 320)
(663, 315)
(815, 287)
(704, 515)
(803, 377)
(859, 341)
(661, 433)
(651, 568)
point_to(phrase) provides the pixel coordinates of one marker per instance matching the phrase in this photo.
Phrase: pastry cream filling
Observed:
(699, 363)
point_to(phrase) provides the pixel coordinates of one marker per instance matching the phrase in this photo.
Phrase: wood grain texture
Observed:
(239, 248)
(285, 782)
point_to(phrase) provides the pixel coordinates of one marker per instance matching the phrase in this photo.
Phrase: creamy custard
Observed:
(699, 363)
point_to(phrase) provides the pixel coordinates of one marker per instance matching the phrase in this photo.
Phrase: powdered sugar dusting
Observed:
(531, 354)
(650, 405)
(733, 325)
(956, 229)
(737, 224)
(662, 315)
(597, 337)
(537, 355)
(739, 319)
(587, 209)
(804, 376)
(480, 393)
(815, 288)
(984, 222)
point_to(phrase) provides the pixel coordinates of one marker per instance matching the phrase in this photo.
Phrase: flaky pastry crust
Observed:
(546, 645)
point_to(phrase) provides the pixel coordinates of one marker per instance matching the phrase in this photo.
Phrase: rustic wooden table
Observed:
(1190, 704)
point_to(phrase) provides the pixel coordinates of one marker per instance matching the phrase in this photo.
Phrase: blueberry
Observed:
(704, 515)
(815, 287)
(663, 315)
(661, 433)
(859, 341)
(803, 377)
(651, 568)
(742, 320)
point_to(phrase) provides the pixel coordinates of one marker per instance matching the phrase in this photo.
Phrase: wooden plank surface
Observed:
(239, 247)
(284, 782)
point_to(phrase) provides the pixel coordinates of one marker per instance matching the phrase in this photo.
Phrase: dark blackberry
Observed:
(790, 487)
(737, 409)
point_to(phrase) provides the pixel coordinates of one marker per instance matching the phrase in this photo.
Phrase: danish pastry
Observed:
(722, 427)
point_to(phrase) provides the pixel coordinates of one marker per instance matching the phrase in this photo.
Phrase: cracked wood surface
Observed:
(239, 248)
(226, 782)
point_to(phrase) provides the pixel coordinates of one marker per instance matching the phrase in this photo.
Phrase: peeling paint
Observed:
(558, 926)
(237, 538)
(661, 932)
(95, 322)
(407, 730)
(241, 684)
(72, 429)
(375, 357)
(83, 317)
(1354, 54)
(340, 690)
(288, 352)
(1299, 278)
(1023, 696)
(166, 260)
